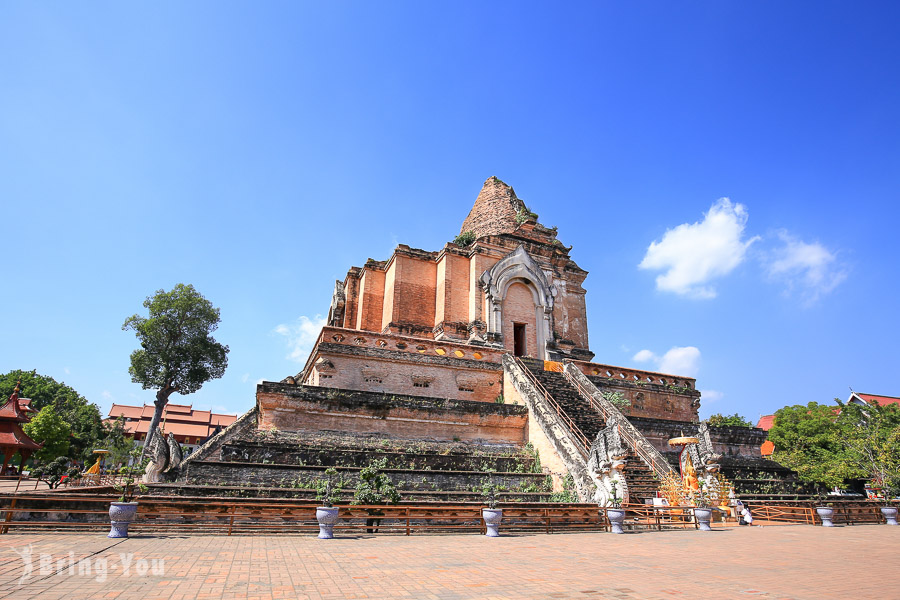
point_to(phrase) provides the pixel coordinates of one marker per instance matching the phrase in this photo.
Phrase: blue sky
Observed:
(258, 150)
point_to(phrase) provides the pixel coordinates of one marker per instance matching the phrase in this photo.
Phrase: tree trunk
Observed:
(162, 398)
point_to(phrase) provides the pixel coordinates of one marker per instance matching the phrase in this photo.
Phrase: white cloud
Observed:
(107, 395)
(710, 396)
(67, 371)
(694, 254)
(245, 377)
(810, 269)
(683, 360)
(301, 335)
(644, 356)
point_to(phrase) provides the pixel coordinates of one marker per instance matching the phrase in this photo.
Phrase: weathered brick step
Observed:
(254, 474)
(292, 454)
(346, 495)
(589, 421)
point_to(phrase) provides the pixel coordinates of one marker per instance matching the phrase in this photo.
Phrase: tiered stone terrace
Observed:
(287, 464)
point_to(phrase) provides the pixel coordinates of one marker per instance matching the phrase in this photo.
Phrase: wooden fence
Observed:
(59, 511)
(846, 512)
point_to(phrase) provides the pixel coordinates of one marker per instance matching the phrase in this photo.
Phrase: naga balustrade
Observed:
(650, 455)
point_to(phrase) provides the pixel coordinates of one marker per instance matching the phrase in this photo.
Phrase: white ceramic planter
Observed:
(327, 516)
(703, 516)
(890, 514)
(121, 514)
(492, 518)
(826, 513)
(616, 517)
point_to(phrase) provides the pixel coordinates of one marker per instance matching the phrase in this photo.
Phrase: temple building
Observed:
(190, 427)
(468, 362)
(439, 322)
(14, 413)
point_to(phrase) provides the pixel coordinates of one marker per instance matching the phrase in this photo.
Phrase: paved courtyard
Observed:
(799, 562)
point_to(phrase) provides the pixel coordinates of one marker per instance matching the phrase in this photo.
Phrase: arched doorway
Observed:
(519, 320)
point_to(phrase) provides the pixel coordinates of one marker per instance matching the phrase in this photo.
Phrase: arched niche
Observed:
(518, 267)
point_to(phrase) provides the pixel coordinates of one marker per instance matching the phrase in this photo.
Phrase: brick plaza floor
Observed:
(799, 562)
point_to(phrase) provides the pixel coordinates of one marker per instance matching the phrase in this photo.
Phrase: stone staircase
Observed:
(589, 421)
(279, 464)
(642, 482)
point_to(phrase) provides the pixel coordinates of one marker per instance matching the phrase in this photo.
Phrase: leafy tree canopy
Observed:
(83, 417)
(52, 472)
(119, 443)
(178, 352)
(49, 428)
(735, 420)
(871, 439)
(374, 486)
(808, 439)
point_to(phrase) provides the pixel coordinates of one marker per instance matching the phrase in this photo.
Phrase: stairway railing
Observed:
(584, 445)
(652, 457)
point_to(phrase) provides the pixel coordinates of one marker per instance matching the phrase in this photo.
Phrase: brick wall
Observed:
(413, 373)
(371, 292)
(307, 408)
(414, 293)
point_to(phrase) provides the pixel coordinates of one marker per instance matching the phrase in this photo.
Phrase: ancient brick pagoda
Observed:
(438, 323)
(477, 349)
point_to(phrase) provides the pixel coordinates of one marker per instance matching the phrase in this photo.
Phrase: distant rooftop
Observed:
(859, 398)
(181, 420)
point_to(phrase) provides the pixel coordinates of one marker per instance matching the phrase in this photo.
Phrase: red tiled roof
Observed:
(181, 420)
(121, 410)
(880, 400)
(14, 408)
(767, 448)
(11, 435)
(766, 422)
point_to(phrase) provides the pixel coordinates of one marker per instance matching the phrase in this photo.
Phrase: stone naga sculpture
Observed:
(606, 465)
(159, 458)
(175, 454)
(705, 459)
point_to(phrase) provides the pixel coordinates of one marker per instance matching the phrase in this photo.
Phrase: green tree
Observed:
(735, 420)
(49, 428)
(82, 416)
(871, 438)
(52, 472)
(808, 439)
(374, 486)
(119, 443)
(178, 352)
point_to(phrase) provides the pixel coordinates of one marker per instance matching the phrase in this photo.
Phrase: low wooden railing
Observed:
(846, 512)
(646, 516)
(785, 514)
(56, 512)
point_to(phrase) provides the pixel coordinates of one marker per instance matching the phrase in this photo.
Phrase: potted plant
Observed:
(615, 513)
(702, 508)
(327, 514)
(375, 488)
(889, 512)
(491, 515)
(123, 511)
(824, 509)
